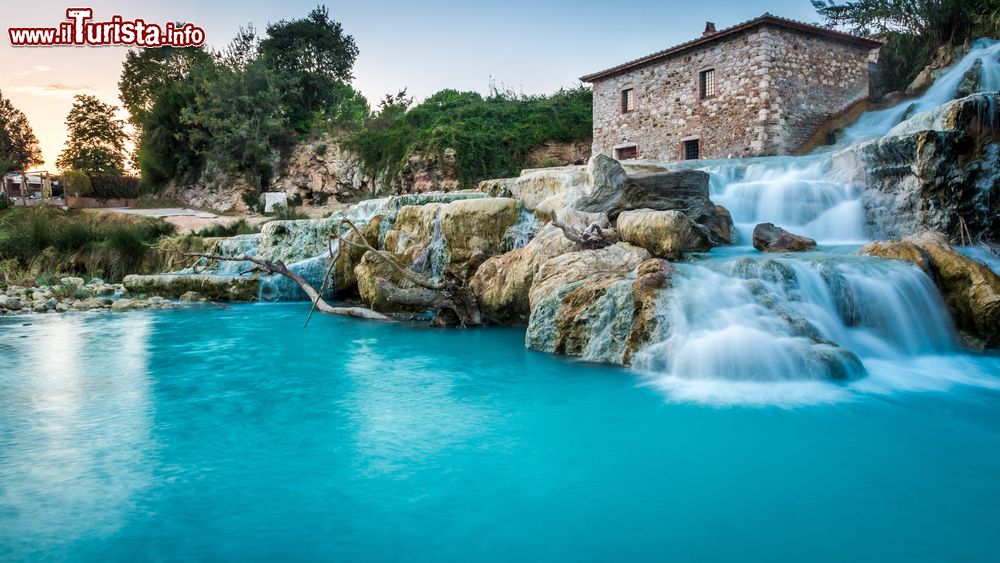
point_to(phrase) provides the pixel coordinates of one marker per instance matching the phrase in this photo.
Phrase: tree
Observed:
(18, 145)
(913, 29)
(241, 51)
(169, 147)
(311, 56)
(238, 118)
(147, 71)
(96, 140)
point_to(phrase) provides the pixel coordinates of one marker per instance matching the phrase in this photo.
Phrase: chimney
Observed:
(709, 29)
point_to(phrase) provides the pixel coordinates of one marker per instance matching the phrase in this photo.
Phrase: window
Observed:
(691, 150)
(628, 100)
(706, 84)
(627, 153)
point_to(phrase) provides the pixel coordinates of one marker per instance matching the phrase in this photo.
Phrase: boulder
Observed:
(71, 282)
(348, 257)
(369, 270)
(503, 282)
(769, 238)
(193, 297)
(614, 192)
(665, 234)
(213, 287)
(11, 303)
(970, 289)
(597, 304)
(474, 230)
(936, 171)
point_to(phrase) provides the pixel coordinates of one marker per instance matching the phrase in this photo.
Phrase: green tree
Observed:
(96, 140)
(913, 29)
(147, 71)
(239, 121)
(242, 51)
(170, 147)
(18, 145)
(311, 56)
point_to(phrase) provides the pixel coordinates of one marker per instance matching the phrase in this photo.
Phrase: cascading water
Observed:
(741, 326)
(876, 124)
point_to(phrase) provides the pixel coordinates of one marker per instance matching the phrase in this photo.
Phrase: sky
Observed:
(531, 46)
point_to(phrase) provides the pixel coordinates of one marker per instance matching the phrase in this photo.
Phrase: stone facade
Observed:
(777, 82)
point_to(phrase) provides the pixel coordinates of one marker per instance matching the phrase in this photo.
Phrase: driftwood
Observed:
(591, 238)
(451, 296)
(272, 267)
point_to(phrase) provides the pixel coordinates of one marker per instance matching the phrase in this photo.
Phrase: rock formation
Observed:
(970, 289)
(769, 238)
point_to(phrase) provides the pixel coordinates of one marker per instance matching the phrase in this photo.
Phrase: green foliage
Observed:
(76, 182)
(146, 72)
(96, 140)
(115, 186)
(4, 202)
(312, 56)
(491, 136)
(121, 244)
(18, 146)
(913, 29)
(239, 116)
(287, 213)
(241, 227)
(169, 146)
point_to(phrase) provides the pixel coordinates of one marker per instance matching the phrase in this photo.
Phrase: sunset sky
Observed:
(534, 46)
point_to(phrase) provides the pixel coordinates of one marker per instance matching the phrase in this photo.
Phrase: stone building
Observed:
(762, 87)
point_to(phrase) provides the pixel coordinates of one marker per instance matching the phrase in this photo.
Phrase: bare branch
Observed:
(278, 267)
(409, 275)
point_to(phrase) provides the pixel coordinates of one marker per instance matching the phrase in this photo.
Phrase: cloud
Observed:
(34, 70)
(53, 90)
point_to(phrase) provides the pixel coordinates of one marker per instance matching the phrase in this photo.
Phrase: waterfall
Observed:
(802, 194)
(740, 326)
(875, 124)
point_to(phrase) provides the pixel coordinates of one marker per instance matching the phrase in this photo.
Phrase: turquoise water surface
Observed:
(236, 434)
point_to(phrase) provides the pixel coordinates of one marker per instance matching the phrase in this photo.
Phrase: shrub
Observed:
(240, 227)
(491, 136)
(121, 243)
(114, 186)
(76, 183)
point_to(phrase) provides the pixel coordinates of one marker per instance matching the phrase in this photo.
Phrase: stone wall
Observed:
(813, 79)
(775, 86)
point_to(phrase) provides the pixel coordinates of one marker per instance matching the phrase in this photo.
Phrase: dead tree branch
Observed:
(591, 238)
(278, 267)
(451, 294)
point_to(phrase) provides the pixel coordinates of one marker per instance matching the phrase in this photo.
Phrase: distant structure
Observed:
(762, 87)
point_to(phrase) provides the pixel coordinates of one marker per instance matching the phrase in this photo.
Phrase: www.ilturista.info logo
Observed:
(79, 30)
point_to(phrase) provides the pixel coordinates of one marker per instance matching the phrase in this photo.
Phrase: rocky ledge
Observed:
(73, 294)
(970, 289)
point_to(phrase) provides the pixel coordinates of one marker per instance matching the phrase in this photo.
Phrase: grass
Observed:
(77, 242)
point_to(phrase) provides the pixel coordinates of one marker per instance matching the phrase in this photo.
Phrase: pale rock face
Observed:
(413, 229)
(474, 230)
(503, 282)
(665, 234)
(970, 289)
(369, 270)
(596, 304)
(572, 267)
(931, 170)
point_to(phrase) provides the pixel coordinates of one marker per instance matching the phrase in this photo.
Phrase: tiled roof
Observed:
(766, 19)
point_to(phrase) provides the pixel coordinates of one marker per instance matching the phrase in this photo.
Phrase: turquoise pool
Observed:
(235, 434)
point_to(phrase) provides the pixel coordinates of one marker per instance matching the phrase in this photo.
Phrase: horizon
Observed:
(450, 52)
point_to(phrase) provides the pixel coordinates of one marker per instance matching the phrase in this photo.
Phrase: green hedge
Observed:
(491, 136)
